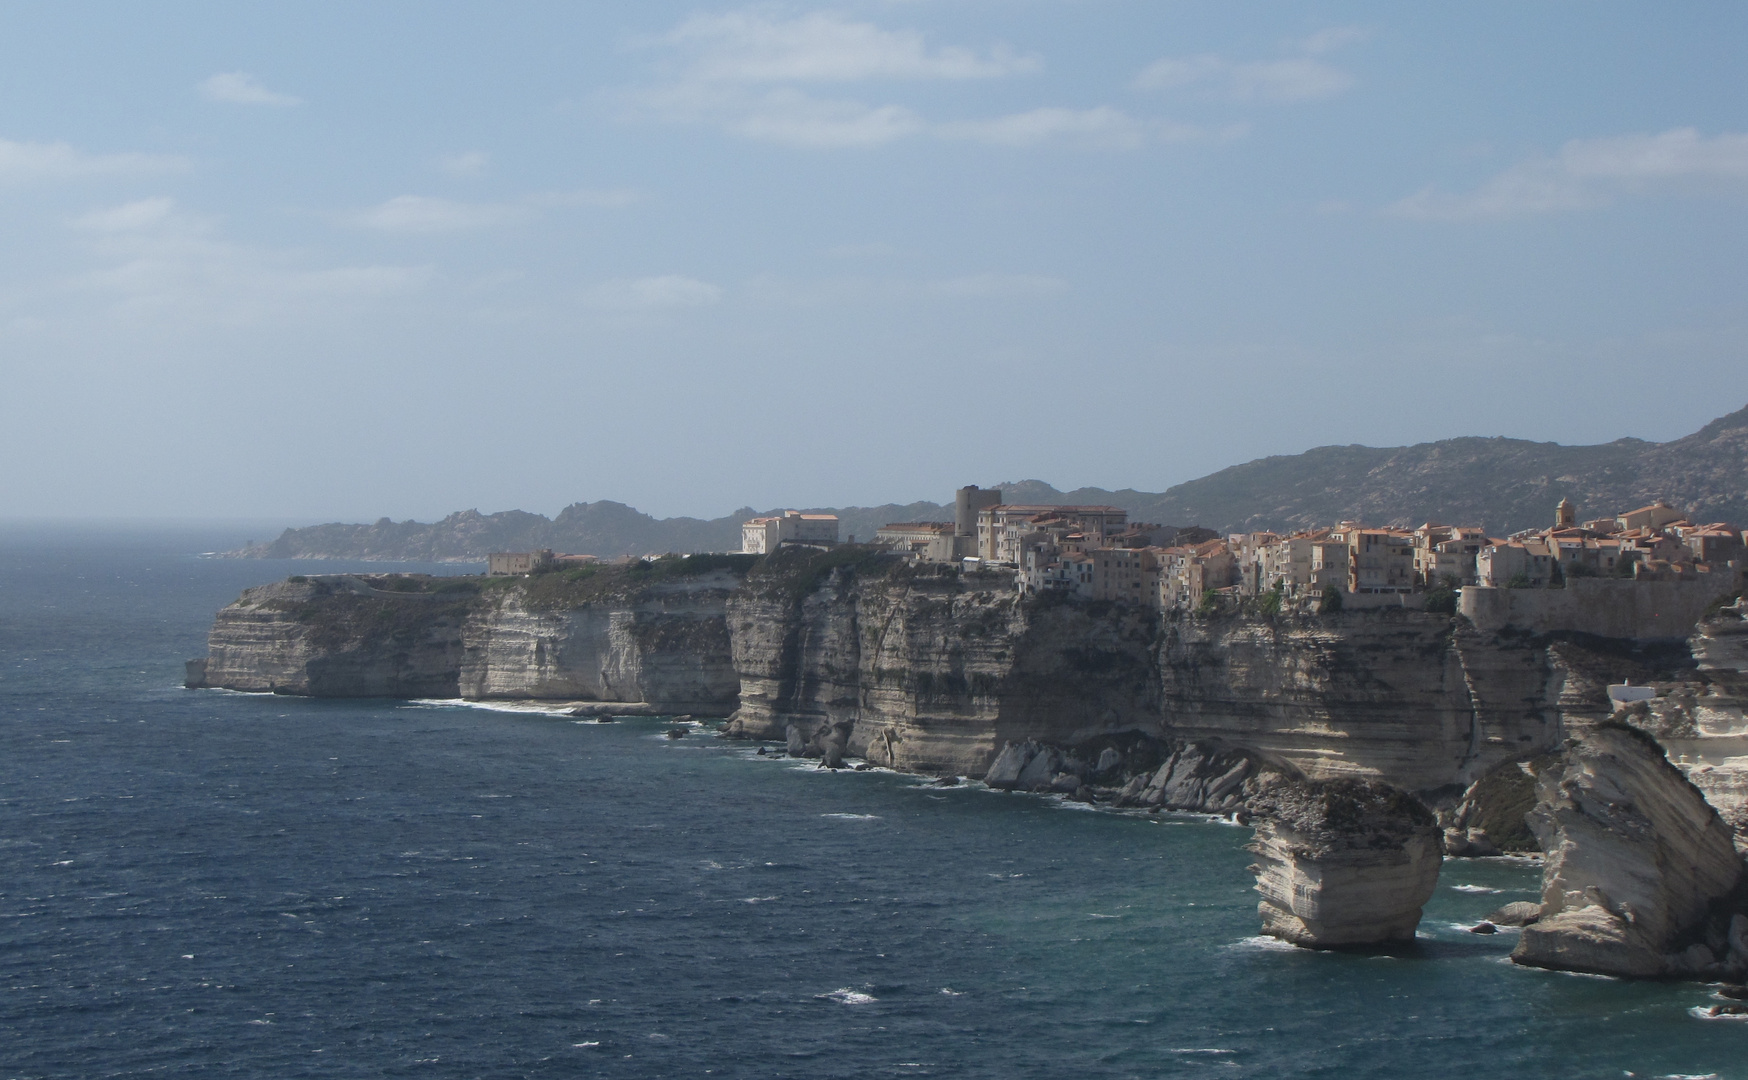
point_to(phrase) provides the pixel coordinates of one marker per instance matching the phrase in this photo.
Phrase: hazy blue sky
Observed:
(344, 260)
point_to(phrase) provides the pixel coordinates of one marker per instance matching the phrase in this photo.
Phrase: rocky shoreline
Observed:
(850, 654)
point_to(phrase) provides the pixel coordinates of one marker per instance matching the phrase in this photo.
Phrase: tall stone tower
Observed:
(967, 501)
(1565, 515)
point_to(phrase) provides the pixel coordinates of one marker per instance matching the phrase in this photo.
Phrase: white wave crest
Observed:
(1706, 1012)
(525, 708)
(1263, 941)
(846, 996)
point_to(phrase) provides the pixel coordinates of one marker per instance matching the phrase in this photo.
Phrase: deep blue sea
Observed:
(200, 883)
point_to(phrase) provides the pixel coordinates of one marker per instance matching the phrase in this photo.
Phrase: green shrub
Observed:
(1442, 600)
(1519, 581)
(1331, 601)
(1268, 604)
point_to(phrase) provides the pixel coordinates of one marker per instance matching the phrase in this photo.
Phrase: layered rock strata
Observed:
(929, 670)
(1637, 864)
(665, 645)
(662, 643)
(337, 636)
(1343, 863)
(937, 672)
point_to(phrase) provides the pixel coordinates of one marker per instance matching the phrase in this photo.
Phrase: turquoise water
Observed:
(213, 884)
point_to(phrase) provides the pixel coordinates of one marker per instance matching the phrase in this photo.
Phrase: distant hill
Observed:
(1501, 484)
(597, 528)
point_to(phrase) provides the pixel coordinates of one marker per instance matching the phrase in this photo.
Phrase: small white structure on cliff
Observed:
(763, 535)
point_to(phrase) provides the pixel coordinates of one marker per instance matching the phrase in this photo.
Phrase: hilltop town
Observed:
(1096, 553)
(1645, 572)
(1584, 571)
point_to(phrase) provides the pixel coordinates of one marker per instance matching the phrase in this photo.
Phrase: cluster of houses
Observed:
(1096, 553)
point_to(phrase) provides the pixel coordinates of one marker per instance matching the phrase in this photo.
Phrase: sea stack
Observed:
(1343, 863)
(1637, 865)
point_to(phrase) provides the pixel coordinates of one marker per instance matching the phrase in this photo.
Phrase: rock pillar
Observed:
(1343, 863)
(1637, 863)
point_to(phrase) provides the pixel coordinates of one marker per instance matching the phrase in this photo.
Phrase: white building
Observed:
(763, 535)
(924, 541)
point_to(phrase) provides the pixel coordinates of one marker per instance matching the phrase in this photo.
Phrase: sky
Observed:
(338, 261)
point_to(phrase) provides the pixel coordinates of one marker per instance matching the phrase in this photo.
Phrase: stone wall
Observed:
(1636, 610)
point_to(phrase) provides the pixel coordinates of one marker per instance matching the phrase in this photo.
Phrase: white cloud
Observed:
(158, 261)
(23, 162)
(1332, 38)
(1298, 79)
(128, 217)
(429, 215)
(652, 293)
(1680, 152)
(425, 214)
(240, 88)
(1099, 127)
(875, 249)
(472, 163)
(1000, 285)
(753, 46)
(604, 198)
(750, 74)
(1588, 173)
(794, 119)
(1301, 77)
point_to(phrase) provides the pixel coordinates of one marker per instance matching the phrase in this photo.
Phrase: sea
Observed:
(213, 884)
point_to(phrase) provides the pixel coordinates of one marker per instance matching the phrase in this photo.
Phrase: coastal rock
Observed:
(1343, 863)
(1004, 772)
(1635, 860)
(1516, 913)
(1200, 776)
(1469, 844)
(1041, 770)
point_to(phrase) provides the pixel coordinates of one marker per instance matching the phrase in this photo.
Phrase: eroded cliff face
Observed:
(1700, 713)
(666, 645)
(1343, 863)
(1413, 699)
(934, 672)
(929, 670)
(337, 636)
(1637, 863)
(661, 641)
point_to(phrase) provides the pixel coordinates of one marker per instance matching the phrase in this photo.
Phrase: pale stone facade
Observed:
(924, 541)
(763, 535)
